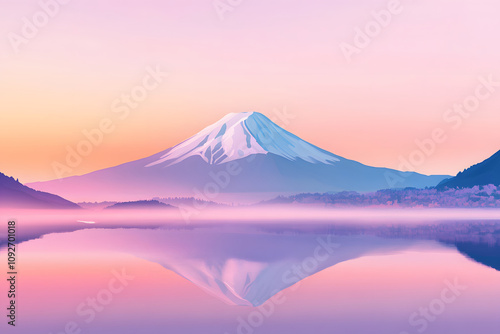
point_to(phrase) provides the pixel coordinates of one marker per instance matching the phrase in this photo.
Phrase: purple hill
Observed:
(13, 194)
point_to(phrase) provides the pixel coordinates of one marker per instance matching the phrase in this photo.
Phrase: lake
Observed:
(223, 277)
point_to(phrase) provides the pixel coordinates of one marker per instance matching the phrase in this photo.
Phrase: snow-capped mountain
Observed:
(238, 136)
(242, 157)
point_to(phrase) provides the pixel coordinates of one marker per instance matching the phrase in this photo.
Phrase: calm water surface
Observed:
(300, 278)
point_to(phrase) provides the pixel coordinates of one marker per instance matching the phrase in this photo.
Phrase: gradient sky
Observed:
(265, 55)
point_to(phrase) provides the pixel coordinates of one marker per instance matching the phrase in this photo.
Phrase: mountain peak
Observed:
(239, 135)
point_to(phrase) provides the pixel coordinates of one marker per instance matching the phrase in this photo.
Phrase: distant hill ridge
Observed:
(152, 204)
(13, 194)
(481, 174)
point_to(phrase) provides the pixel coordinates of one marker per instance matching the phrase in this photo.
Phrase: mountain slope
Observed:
(15, 195)
(486, 172)
(242, 157)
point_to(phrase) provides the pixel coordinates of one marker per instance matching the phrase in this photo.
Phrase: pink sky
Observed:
(264, 55)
